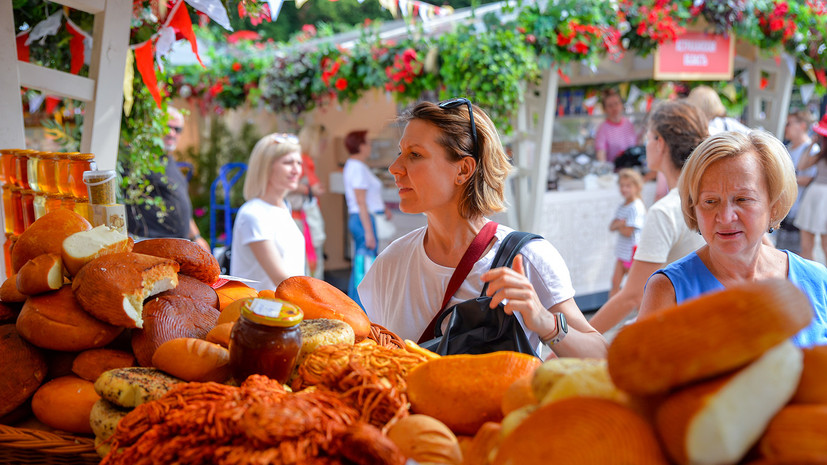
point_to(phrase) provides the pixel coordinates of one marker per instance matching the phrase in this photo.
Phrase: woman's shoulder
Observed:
(403, 245)
(810, 267)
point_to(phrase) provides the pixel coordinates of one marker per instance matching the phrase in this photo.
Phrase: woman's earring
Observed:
(771, 230)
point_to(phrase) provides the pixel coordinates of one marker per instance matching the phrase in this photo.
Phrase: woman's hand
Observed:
(512, 284)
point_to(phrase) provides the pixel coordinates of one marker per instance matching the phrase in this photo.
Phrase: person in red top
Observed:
(617, 133)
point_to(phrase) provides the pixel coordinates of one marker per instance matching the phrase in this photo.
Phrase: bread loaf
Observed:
(220, 334)
(113, 287)
(82, 247)
(194, 260)
(193, 359)
(104, 418)
(41, 274)
(581, 430)
(812, 388)
(707, 336)
(56, 321)
(167, 318)
(322, 332)
(194, 289)
(796, 433)
(133, 386)
(426, 440)
(65, 404)
(717, 421)
(9, 292)
(319, 299)
(24, 368)
(46, 235)
(231, 291)
(90, 364)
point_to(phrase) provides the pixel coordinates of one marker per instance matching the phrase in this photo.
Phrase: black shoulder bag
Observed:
(474, 328)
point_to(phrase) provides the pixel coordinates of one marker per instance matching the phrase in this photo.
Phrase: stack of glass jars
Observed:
(35, 183)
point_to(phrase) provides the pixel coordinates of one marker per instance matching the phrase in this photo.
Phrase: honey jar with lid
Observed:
(266, 339)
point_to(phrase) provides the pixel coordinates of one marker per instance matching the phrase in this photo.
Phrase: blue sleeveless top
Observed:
(691, 278)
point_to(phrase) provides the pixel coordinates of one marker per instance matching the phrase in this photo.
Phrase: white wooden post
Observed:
(12, 134)
(768, 107)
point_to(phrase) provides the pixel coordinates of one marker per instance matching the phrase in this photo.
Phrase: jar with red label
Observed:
(266, 340)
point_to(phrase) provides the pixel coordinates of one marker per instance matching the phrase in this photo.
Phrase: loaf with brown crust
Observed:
(56, 321)
(113, 287)
(65, 404)
(133, 386)
(24, 368)
(707, 336)
(319, 299)
(193, 359)
(171, 317)
(9, 292)
(46, 235)
(90, 364)
(194, 289)
(41, 274)
(82, 247)
(194, 260)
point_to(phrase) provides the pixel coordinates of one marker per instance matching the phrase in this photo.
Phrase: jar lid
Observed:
(272, 312)
(81, 156)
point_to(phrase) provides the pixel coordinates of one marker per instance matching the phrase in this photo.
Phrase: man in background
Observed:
(147, 221)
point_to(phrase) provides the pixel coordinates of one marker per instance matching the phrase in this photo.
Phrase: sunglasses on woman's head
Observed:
(283, 138)
(456, 102)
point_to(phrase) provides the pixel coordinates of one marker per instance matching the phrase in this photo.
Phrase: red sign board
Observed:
(696, 55)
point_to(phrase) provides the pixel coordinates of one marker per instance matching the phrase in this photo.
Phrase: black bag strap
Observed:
(509, 249)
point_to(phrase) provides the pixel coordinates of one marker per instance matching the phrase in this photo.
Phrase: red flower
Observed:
(341, 83)
(309, 29)
(563, 40)
(530, 38)
(236, 66)
(581, 48)
(521, 30)
(776, 24)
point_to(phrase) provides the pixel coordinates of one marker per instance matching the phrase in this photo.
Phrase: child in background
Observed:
(628, 221)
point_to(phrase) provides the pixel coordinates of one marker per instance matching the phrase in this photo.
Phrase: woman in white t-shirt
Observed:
(452, 168)
(363, 194)
(267, 245)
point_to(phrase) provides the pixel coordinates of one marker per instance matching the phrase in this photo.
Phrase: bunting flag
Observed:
(23, 49)
(413, 8)
(77, 48)
(214, 10)
(145, 61)
(128, 76)
(275, 9)
(180, 21)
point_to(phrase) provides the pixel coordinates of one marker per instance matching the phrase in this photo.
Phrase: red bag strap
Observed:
(472, 254)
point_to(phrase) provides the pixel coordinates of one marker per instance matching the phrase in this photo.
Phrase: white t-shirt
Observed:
(633, 214)
(665, 236)
(721, 124)
(403, 290)
(795, 154)
(256, 221)
(357, 175)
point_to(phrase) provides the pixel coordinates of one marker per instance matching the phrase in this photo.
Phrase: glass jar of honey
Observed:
(17, 210)
(53, 202)
(31, 165)
(63, 185)
(83, 209)
(8, 209)
(20, 169)
(79, 163)
(27, 205)
(10, 239)
(67, 202)
(266, 340)
(39, 205)
(6, 165)
(47, 172)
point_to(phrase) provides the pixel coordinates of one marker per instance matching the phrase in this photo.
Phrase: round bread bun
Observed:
(193, 360)
(707, 336)
(231, 312)
(46, 235)
(90, 364)
(221, 334)
(426, 440)
(194, 289)
(323, 332)
(24, 368)
(55, 320)
(9, 292)
(796, 433)
(171, 317)
(104, 418)
(231, 291)
(319, 299)
(812, 388)
(583, 430)
(194, 260)
(65, 404)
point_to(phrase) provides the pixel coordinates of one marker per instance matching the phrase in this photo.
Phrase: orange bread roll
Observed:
(581, 430)
(231, 291)
(167, 318)
(24, 368)
(56, 321)
(221, 334)
(46, 235)
(41, 274)
(426, 440)
(194, 260)
(478, 449)
(9, 292)
(193, 360)
(707, 336)
(90, 364)
(65, 404)
(796, 433)
(812, 388)
(319, 299)
(194, 289)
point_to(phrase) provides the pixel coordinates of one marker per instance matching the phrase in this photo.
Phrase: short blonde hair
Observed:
(634, 176)
(776, 163)
(705, 98)
(310, 135)
(267, 150)
(484, 192)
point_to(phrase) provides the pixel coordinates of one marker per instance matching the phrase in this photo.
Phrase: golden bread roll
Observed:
(41, 274)
(194, 260)
(65, 404)
(555, 369)
(113, 287)
(518, 395)
(231, 311)
(56, 321)
(717, 421)
(46, 235)
(82, 247)
(104, 418)
(90, 364)
(812, 388)
(193, 359)
(481, 447)
(9, 292)
(194, 289)
(133, 386)
(796, 433)
(581, 430)
(220, 334)
(230, 291)
(589, 381)
(319, 299)
(167, 318)
(323, 332)
(707, 336)
(426, 440)
(24, 368)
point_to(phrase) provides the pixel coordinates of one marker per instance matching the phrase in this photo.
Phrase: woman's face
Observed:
(426, 179)
(733, 206)
(794, 128)
(613, 107)
(655, 150)
(285, 172)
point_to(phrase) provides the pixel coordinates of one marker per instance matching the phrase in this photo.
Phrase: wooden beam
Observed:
(54, 82)
(89, 6)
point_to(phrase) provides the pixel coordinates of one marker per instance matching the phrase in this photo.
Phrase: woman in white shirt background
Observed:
(363, 194)
(267, 245)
